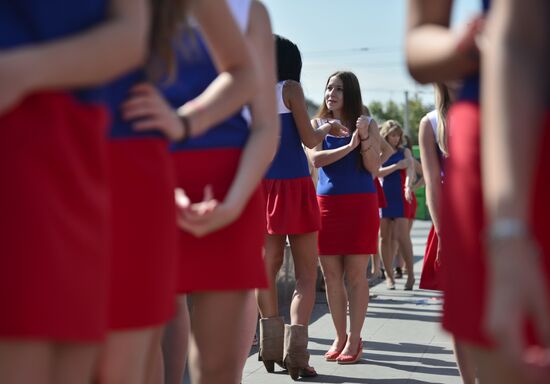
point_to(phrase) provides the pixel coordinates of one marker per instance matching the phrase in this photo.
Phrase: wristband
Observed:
(507, 229)
(360, 138)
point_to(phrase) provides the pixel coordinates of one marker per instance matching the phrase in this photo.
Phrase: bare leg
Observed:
(124, 358)
(222, 328)
(16, 366)
(401, 232)
(155, 368)
(175, 343)
(386, 229)
(355, 269)
(273, 257)
(74, 363)
(333, 270)
(465, 362)
(304, 253)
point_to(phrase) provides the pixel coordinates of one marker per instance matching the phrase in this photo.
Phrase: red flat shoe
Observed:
(351, 359)
(333, 354)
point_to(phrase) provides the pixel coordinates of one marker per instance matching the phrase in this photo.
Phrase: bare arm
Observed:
(515, 85)
(370, 148)
(386, 150)
(92, 57)
(263, 141)
(434, 52)
(431, 169)
(234, 86)
(293, 96)
(321, 158)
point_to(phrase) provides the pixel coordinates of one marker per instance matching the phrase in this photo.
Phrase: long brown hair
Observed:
(353, 104)
(442, 104)
(168, 19)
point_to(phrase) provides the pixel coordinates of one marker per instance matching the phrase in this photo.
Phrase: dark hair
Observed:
(353, 104)
(168, 18)
(289, 59)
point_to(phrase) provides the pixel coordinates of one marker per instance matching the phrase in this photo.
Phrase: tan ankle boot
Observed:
(271, 342)
(296, 356)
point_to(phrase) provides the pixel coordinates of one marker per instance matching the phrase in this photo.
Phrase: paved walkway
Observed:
(403, 341)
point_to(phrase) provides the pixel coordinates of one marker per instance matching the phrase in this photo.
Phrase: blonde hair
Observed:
(390, 126)
(442, 104)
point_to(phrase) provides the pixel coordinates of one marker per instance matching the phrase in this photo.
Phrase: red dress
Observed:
(54, 221)
(463, 223)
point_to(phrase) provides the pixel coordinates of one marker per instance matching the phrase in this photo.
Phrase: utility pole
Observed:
(406, 117)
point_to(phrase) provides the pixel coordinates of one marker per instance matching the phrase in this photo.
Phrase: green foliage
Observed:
(393, 111)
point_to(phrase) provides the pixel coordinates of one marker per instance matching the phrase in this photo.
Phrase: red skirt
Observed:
(349, 224)
(231, 258)
(463, 257)
(431, 271)
(144, 252)
(54, 221)
(291, 206)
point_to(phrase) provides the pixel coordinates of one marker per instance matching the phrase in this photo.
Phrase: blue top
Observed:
(470, 87)
(393, 185)
(195, 71)
(345, 176)
(290, 161)
(24, 22)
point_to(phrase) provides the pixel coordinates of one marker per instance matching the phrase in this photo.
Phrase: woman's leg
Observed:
(175, 343)
(402, 234)
(273, 257)
(304, 254)
(124, 358)
(358, 288)
(386, 247)
(222, 328)
(46, 363)
(333, 271)
(465, 362)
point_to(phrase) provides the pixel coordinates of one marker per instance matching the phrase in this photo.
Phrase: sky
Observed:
(364, 36)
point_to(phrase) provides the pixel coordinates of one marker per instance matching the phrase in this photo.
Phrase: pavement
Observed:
(403, 342)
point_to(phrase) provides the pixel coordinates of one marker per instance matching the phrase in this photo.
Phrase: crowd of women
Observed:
(143, 163)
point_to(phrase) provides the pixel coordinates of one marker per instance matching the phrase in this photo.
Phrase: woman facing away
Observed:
(349, 210)
(492, 325)
(219, 164)
(54, 242)
(397, 174)
(142, 298)
(291, 210)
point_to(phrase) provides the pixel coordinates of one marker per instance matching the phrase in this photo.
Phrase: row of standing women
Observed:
(92, 258)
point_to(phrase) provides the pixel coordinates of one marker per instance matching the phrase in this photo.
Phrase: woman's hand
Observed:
(13, 80)
(362, 126)
(205, 217)
(337, 129)
(402, 164)
(355, 140)
(408, 194)
(517, 290)
(150, 111)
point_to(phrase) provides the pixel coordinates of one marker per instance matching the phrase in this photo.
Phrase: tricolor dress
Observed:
(431, 275)
(144, 233)
(463, 221)
(393, 185)
(291, 205)
(230, 258)
(54, 202)
(348, 201)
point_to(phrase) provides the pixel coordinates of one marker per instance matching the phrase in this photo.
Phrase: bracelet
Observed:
(361, 139)
(507, 229)
(186, 124)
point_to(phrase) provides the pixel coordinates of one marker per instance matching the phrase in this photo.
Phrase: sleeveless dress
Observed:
(431, 275)
(230, 258)
(394, 189)
(349, 204)
(54, 221)
(464, 221)
(291, 205)
(144, 233)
